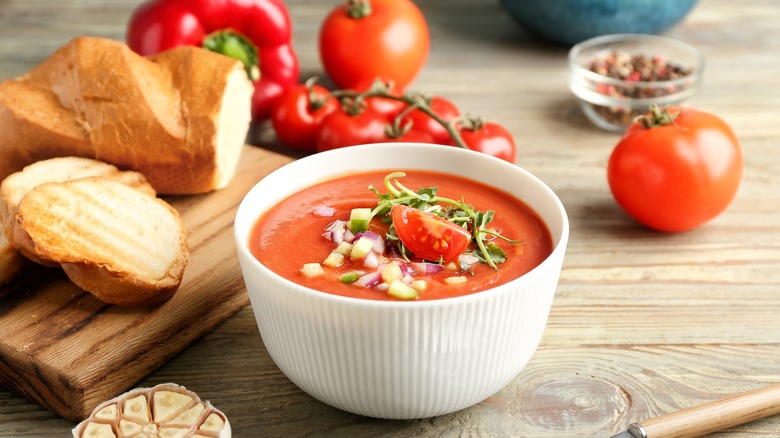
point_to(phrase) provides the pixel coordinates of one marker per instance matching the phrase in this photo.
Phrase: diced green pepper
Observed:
(358, 220)
(349, 277)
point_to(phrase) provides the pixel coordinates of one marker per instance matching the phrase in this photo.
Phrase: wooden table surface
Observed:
(643, 323)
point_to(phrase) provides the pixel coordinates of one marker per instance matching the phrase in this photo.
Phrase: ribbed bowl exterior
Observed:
(400, 360)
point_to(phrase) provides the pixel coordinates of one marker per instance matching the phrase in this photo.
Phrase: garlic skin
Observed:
(164, 411)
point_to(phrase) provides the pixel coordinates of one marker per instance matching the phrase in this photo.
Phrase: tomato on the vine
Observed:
(675, 170)
(428, 236)
(341, 128)
(295, 118)
(489, 138)
(444, 109)
(364, 39)
(389, 107)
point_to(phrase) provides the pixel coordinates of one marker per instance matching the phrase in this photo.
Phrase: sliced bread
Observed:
(16, 185)
(116, 242)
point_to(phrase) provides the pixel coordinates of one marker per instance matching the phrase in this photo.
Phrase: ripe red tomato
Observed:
(390, 41)
(490, 138)
(340, 129)
(389, 107)
(428, 236)
(294, 119)
(423, 122)
(676, 176)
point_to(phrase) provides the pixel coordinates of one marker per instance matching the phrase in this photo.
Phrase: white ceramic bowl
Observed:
(401, 360)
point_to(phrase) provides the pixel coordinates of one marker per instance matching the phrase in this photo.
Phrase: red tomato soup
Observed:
(291, 234)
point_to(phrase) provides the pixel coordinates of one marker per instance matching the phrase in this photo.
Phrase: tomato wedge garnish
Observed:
(428, 236)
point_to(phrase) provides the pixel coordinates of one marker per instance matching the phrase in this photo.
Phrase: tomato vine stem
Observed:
(413, 101)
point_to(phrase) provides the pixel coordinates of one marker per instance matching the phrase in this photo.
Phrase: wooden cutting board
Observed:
(67, 351)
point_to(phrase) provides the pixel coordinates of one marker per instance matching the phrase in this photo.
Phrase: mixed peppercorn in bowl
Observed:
(619, 77)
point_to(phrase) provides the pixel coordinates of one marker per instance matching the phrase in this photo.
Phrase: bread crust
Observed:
(57, 223)
(163, 116)
(15, 186)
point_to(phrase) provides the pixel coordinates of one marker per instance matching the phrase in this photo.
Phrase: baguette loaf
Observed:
(122, 245)
(179, 117)
(15, 186)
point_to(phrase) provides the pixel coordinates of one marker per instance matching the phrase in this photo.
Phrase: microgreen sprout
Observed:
(455, 211)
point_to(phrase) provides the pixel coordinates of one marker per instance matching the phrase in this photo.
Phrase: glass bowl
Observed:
(618, 77)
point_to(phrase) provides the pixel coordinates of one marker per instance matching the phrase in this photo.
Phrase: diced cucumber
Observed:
(358, 220)
(334, 260)
(361, 248)
(391, 272)
(344, 248)
(401, 291)
(349, 277)
(456, 280)
(312, 269)
(420, 285)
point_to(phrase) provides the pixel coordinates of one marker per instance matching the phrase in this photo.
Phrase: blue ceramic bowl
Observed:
(572, 21)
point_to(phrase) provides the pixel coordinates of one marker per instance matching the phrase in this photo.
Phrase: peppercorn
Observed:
(633, 68)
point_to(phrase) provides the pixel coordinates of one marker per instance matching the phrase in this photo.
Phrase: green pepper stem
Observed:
(235, 45)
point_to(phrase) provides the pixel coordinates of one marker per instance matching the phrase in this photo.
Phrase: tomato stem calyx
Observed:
(657, 117)
(358, 9)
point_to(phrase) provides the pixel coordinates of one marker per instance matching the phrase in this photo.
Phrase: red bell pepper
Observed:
(258, 32)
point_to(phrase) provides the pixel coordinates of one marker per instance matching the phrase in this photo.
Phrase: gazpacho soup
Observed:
(388, 235)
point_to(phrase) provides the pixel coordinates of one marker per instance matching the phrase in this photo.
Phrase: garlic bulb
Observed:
(164, 411)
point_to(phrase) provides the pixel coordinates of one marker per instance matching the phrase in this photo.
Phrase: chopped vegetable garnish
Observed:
(334, 260)
(401, 291)
(349, 277)
(358, 219)
(312, 269)
(456, 280)
(361, 248)
(427, 235)
(458, 212)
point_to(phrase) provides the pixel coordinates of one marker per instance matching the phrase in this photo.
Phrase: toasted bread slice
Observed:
(16, 185)
(11, 261)
(122, 245)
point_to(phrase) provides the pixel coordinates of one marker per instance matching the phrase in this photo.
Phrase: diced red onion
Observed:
(427, 268)
(382, 287)
(349, 236)
(324, 211)
(369, 280)
(407, 279)
(337, 235)
(372, 235)
(468, 259)
(379, 246)
(336, 224)
(407, 269)
(371, 260)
